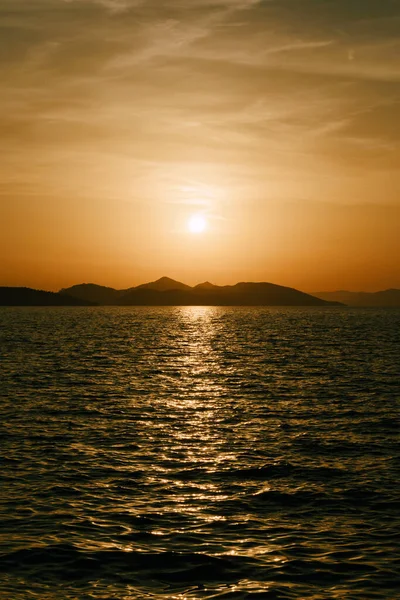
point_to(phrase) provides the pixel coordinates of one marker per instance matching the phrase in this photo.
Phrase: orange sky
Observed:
(278, 121)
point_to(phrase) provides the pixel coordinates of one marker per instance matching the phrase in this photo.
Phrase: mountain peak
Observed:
(167, 280)
(206, 285)
(164, 284)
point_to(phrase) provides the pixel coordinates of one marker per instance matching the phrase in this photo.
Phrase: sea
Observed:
(199, 452)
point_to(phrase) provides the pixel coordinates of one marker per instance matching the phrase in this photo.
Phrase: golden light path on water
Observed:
(196, 441)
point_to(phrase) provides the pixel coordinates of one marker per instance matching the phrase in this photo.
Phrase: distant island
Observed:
(168, 292)
(384, 298)
(164, 292)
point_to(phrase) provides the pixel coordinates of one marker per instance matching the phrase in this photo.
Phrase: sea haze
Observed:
(199, 452)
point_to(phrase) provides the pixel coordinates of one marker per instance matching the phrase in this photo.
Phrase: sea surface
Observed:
(190, 453)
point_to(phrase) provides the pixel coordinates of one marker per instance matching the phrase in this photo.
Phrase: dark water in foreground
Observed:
(199, 453)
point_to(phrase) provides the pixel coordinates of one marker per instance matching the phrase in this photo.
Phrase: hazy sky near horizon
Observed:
(277, 120)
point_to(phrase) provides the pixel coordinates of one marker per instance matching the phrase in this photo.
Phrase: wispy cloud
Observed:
(226, 81)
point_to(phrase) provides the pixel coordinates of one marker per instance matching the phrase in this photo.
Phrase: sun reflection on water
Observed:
(194, 446)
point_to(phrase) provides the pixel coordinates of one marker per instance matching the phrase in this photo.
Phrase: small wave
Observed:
(295, 499)
(265, 472)
(66, 561)
(283, 470)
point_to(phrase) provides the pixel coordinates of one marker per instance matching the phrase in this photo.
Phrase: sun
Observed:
(197, 224)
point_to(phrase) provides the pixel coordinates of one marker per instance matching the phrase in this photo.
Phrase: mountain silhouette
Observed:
(164, 284)
(169, 292)
(91, 292)
(205, 286)
(384, 298)
(23, 296)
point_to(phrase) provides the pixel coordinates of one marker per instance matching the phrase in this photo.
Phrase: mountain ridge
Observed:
(91, 292)
(166, 291)
(164, 284)
(169, 292)
(25, 296)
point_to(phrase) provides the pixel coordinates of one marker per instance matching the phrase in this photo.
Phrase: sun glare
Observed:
(197, 224)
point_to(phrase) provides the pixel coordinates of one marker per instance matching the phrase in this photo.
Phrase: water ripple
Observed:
(191, 453)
